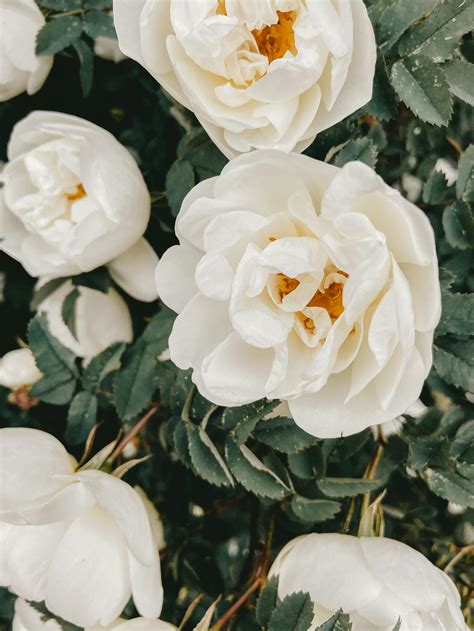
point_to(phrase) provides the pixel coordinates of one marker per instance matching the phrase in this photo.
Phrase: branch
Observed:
(133, 432)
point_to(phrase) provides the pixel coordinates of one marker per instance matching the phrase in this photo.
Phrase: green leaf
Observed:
(267, 601)
(427, 451)
(361, 149)
(437, 36)
(465, 181)
(58, 34)
(180, 180)
(102, 364)
(307, 464)
(398, 626)
(244, 418)
(44, 291)
(46, 615)
(98, 5)
(252, 474)
(398, 17)
(457, 314)
(338, 622)
(86, 69)
(383, 102)
(55, 362)
(460, 76)
(451, 487)
(207, 461)
(97, 279)
(314, 510)
(456, 365)
(60, 5)
(283, 434)
(135, 383)
(458, 224)
(434, 189)
(99, 24)
(181, 442)
(423, 87)
(68, 311)
(293, 613)
(196, 147)
(81, 418)
(346, 487)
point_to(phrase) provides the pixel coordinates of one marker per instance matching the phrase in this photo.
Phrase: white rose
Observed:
(20, 68)
(108, 48)
(28, 619)
(100, 320)
(300, 281)
(260, 74)
(74, 199)
(18, 368)
(374, 580)
(79, 540)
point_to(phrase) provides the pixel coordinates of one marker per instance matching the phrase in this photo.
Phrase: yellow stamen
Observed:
(79, 193)
(221, 8)
(308, 323)
(275, 40)
(286, 285)
(330, 299)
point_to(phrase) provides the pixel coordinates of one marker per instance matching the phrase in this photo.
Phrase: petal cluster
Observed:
(292, 282)
(20, 69)
(376, 581)
(81, 541)
(74, 199)
(260, 74)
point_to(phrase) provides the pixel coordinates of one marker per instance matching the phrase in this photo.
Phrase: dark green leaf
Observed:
(99, 24)
(60, 5)
(307, 464)
(267, 600)
(252, 474)
(437, 36)
(422, 86)
(434, 189)
(383, 102)
(58, 34)
(179, 181)
(97, 5)
(293, 613)
(456, 365)
(425, 451)
(457, 314)
(346, 487)
(44, 291)
(81, 418)
(46, 615)
(244, 418)
(55, 362)
(68, 311)
(451, 487)
(97, 279)
(86, 69)
(465, 181)
(458, 224)
(207, 461)
(201, 153)
(314, 510)
(283, 434)
(338, 622)
(102, 364)
(361, 149)
(398, 17)
(460, 76)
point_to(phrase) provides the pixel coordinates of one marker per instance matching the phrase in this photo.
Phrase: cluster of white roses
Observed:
(293, 280)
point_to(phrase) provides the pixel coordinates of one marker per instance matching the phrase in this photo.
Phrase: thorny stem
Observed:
(238, 604)
(462, 552)
(133, 432)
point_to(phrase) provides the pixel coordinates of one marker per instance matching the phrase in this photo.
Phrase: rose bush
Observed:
(264, 74)
(296, 268)
(376, 581)
(73, 200)
(20, 68)
(81, 540)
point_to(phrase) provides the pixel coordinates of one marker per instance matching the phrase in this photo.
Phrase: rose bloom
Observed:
(376, 581)
(28, 619)
(100, 319)
(300, 281)
(82, 541)
(18, 368)
(260, 74)
(74, 199)
(20, 69)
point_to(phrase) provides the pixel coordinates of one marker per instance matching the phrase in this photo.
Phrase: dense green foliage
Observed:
(230, 486)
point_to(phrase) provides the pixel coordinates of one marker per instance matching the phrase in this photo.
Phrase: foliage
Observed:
(233, 485)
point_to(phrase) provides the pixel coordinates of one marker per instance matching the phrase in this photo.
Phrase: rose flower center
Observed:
(275, 40)
(79, 193)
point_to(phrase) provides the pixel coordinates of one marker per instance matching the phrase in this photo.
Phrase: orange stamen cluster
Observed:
(79, 193)
(275, 40)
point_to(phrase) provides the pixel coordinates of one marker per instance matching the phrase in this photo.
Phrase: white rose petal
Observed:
(18, 368)
(82, 542)
(100, 319)
(73, 198)
(291, 282)
(260, 74)
(376, 581)
(107, 48)
(20, 69)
